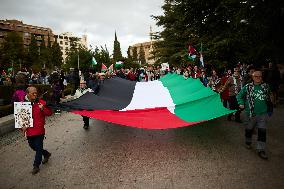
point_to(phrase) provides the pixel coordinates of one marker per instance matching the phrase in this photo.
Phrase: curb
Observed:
(7, 124)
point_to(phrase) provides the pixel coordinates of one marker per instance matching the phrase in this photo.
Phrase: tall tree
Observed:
(56, 55)
(142, 59)
(135, 54)
(129, 56)
(33, 55)
(43, 54)
(12, 51)
(116, 49)
(231, 31)
(49, 62)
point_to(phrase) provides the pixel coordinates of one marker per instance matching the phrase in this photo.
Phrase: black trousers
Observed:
(233, 105)
(86, 120)
(36, 143)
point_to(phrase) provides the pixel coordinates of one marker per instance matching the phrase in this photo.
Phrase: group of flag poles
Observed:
(192, 54)
(104, 68)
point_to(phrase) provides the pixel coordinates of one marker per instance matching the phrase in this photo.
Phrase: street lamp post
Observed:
(78, 62)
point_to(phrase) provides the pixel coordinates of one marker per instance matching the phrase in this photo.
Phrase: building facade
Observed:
(147, 47)
(40, 33)
(64, 41)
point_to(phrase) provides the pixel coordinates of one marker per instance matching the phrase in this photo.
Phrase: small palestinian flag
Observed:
(170, 102)
(94, 62)
(110, 68)
(104, 68)
(191, 53)
(119, 64)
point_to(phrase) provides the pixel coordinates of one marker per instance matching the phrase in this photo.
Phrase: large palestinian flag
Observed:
(169, 102)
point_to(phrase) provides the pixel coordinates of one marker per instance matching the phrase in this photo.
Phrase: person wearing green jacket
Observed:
(255, 99)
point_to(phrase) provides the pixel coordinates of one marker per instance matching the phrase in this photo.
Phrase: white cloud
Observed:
(97, 18)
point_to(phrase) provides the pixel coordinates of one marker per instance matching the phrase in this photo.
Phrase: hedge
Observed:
(7, 91)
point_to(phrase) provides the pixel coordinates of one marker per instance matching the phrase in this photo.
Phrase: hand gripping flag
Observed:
(169, 102)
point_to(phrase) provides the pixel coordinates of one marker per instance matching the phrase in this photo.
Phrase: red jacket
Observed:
(38, 119)
(195, 75)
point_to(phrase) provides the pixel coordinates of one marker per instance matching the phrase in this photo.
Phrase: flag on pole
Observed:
(104, 68)
(94, 62)
(201, 57)
(191, 52)
(118, 64)
(110, 68)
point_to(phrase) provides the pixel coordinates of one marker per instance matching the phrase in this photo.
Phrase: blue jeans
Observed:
(36, 143)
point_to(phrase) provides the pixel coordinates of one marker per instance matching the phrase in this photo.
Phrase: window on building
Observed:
(61, 48)
(66, 43)
(61, 42)
(60, 37)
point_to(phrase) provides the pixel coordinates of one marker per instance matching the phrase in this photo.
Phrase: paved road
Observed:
(209, 155)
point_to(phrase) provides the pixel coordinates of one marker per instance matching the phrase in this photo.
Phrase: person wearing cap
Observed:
(79, 92)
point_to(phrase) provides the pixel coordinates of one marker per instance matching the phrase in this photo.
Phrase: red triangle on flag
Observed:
(104, 68)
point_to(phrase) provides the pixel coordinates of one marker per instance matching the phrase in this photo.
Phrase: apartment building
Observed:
(26, 30)
(64, 41)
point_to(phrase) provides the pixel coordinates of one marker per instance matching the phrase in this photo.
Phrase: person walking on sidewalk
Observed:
(79, 92)
(234, 85)
(35, 134)
(255, 98)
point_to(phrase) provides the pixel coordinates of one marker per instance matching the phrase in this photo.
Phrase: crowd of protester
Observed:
(243, 87)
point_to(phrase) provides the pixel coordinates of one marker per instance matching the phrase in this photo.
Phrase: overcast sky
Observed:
(98, 19)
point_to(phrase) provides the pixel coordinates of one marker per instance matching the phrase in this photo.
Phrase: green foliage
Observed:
(142, 59)
(116, 50)
(135, 54)
(55, 55)
(33, 54)
(12, 51)
(231, 31)
(102, 56)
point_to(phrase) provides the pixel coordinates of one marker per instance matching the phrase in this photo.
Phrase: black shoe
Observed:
(262, 155)
(35, 170)
(86, 127)
(45, 160)
(229, 118)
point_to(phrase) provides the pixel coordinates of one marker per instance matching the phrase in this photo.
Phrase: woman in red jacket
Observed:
(35, 134)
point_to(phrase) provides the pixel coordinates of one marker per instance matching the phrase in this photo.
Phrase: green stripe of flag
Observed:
(193, 102)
